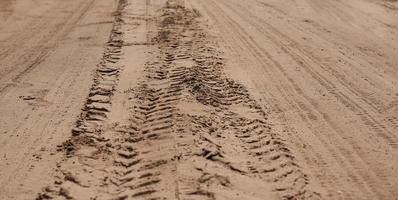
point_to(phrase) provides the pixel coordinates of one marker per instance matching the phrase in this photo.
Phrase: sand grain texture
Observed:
(189, 99)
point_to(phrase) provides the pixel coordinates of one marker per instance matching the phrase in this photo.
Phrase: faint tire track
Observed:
(44, 46)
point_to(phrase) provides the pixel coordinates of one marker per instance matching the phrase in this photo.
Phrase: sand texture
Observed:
(198, 99)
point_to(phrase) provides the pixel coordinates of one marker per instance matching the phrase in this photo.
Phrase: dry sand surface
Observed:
(198, 99)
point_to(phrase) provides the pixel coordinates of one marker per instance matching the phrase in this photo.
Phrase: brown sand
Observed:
(198, 99)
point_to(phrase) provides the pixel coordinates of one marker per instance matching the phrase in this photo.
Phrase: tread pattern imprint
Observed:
(191, 132)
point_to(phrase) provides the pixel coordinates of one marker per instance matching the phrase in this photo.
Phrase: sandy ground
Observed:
(198, 99)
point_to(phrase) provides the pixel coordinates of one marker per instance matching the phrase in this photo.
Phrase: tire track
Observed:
(377, 127)
(89, 129)
(192, 132)
(257, 51)
(209, 86)
(258, 57)
(270, 158)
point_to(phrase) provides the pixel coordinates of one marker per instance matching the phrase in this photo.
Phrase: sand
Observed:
(198, 99)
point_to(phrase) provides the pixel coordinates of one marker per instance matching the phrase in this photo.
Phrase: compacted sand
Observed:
(198, 99)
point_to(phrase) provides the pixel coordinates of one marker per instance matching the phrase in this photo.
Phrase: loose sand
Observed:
(198, 99)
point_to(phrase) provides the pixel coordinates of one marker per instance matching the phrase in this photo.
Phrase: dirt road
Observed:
(189, 99)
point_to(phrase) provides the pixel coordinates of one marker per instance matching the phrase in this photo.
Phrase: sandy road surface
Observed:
(48, 50)
(189, 99)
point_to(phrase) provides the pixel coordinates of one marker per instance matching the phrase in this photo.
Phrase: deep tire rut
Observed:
(192, 132)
